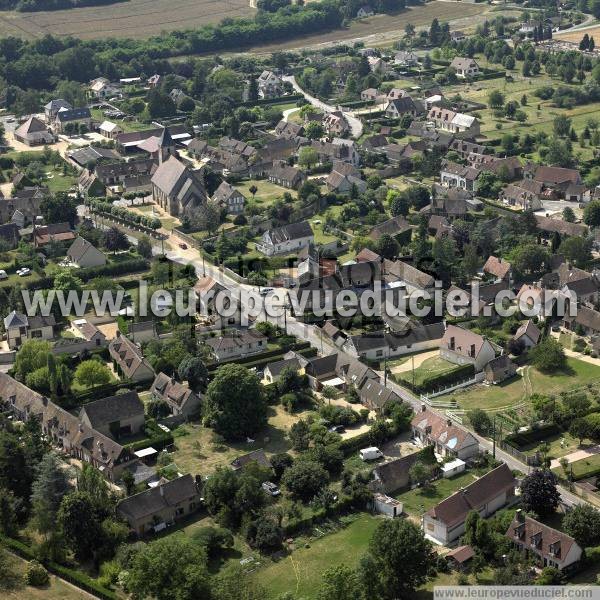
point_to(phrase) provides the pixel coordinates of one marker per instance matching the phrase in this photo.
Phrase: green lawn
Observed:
(268, 193)
(430, 367)
(418, 501)
(301, 571)
(519, 388)
(582, 468)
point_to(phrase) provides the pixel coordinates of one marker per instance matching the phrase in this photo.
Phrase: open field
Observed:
(514, 391)
(575, 36)
(429, 367)
(134, 18)
(581, 468)
(268, 193)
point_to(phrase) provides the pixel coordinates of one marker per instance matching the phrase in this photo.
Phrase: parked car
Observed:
(371, 453)
(266, 291)
(271, 488)
(23, 272)
(183, 246)
(3, 274)
(337, 429)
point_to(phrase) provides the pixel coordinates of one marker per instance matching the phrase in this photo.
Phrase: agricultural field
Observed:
(133, 18)
(575, 36)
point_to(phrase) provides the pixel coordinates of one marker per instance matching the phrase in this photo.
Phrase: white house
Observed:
(465, 68)
(286, 239)
(84, 254)
(445, 522)
(20, 328)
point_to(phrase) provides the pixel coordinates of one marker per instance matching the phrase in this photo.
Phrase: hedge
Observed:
(158, 442)
(521, 440)
(260, 357)
(74, 577)
(268, 101)
(436, 382)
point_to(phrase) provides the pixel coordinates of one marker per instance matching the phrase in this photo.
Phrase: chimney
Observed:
(520, 516)
(161, 489)
(118, 333)
(423, 407)
(449, 422)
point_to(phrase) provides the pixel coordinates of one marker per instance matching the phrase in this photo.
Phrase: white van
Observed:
(370, 453)
(3, 274)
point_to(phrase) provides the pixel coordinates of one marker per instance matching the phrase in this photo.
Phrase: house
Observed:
(548, 226)
(10, 232)
(454, 122)
(395, 109)
(499, 369)
(364, 11)
(34, 133)
(177, 189)
(257, 457)
(377, 345)
(557, 178)
(335, 123)
(466, 68)
(237, 344)
(55, 232)
(452, 203)
(457, 36)
(180, 398)
(64, 430)
(577, 193)
(384, 505)
(230, 198)
(116, 416)
(549, 546)
(455, 175)
(375, 396)
(286, 239)
(269, 85)
(403, 274)
(337, 370)
(394, 475)
(89, 332)
(82, 157)
(445, 522)
(206, 290)
(397, 227)
(461, 346)
(51, 109)
(497, 268)
(375, 143)
(20, 328)
(156, 508)
(101, 88)
(337, 150)
(344, 178)
(447, 439)
(285, 175)
(519, 196)
(129, 360)
(273, 370)
(528, 333)
(289, 130)
(370, 95)
(587, 321)
(75, 117)
(406, 58)
(84, 254)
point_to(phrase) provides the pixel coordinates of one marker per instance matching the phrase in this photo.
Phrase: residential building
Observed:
(466, 68)
(257, 457)
(289, 130)
(75, 117)
(556, 178)
(159, 507)
(550, 547)
(269, 84)
(55, 232)
(499, 369)
(445, 522)
(230, 198)
(587, 321)
(89, 332)
(405, 275)
(406, 58)
(129, 360)
(454, 175)
(345, 177)
(396, 109)
(286, 239)
(206, 290)
(498, 268)
(461, 346)
(447, 438)
(51, 109)
(101, 88)
(237, 344)
(394, 475)
(179, 397)
(84, 254)
(285, 175)
(291, 360)
(528, 334)
(115, 417)
(335, 123)
(34, 133)
(20, 328)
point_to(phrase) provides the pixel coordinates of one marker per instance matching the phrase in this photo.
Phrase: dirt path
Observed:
(417, 361)
(578, 455)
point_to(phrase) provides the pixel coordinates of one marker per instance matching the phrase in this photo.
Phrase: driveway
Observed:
(356, 125)
(417, 360)
(575, 456)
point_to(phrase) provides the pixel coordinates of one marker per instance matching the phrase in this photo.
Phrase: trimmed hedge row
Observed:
(528, 438)
(278, 100)
(158, 442)
(246, 360)
(81, 580)
(436, 382)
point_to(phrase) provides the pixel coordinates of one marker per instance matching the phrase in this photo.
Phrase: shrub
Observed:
(36, 575)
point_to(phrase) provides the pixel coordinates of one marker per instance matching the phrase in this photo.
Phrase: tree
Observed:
(268, 535)
(49, 487)
(79, 523)
(539, 493)
(144, 247)
(398, 561)
(314, 130)
(59, 208)
(387, 247)
(548, 355)
(339, 583)
(583, 523)
(568, 214)
(207, 217)
(115, 240)
(307, 157)
(66, 281)
(480, 420)
(193, 370)
(235, 403)
(91, 373)
(304, 479)
(496, 99)
(300, 435)
(591, 214)
(580, 429)
(32, 355)
(289, 381)
(253, 189)
(173, 567)
(577, 250)
(419, 473)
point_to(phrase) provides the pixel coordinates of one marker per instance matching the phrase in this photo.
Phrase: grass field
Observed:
(518, 389)
(583, 467)
(575, 36)
(133, 18)
(268, 193)
(430, 367)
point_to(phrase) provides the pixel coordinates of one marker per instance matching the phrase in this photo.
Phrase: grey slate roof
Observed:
(114, 408)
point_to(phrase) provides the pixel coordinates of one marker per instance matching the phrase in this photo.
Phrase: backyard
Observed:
(430, 367)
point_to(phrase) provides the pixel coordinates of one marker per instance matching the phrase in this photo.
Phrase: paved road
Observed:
(356, 125)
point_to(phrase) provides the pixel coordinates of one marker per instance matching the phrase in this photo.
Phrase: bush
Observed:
(36, 575)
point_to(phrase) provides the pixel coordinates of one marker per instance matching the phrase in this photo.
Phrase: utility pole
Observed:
(385, 370)
(494, 439)
(413, 370)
